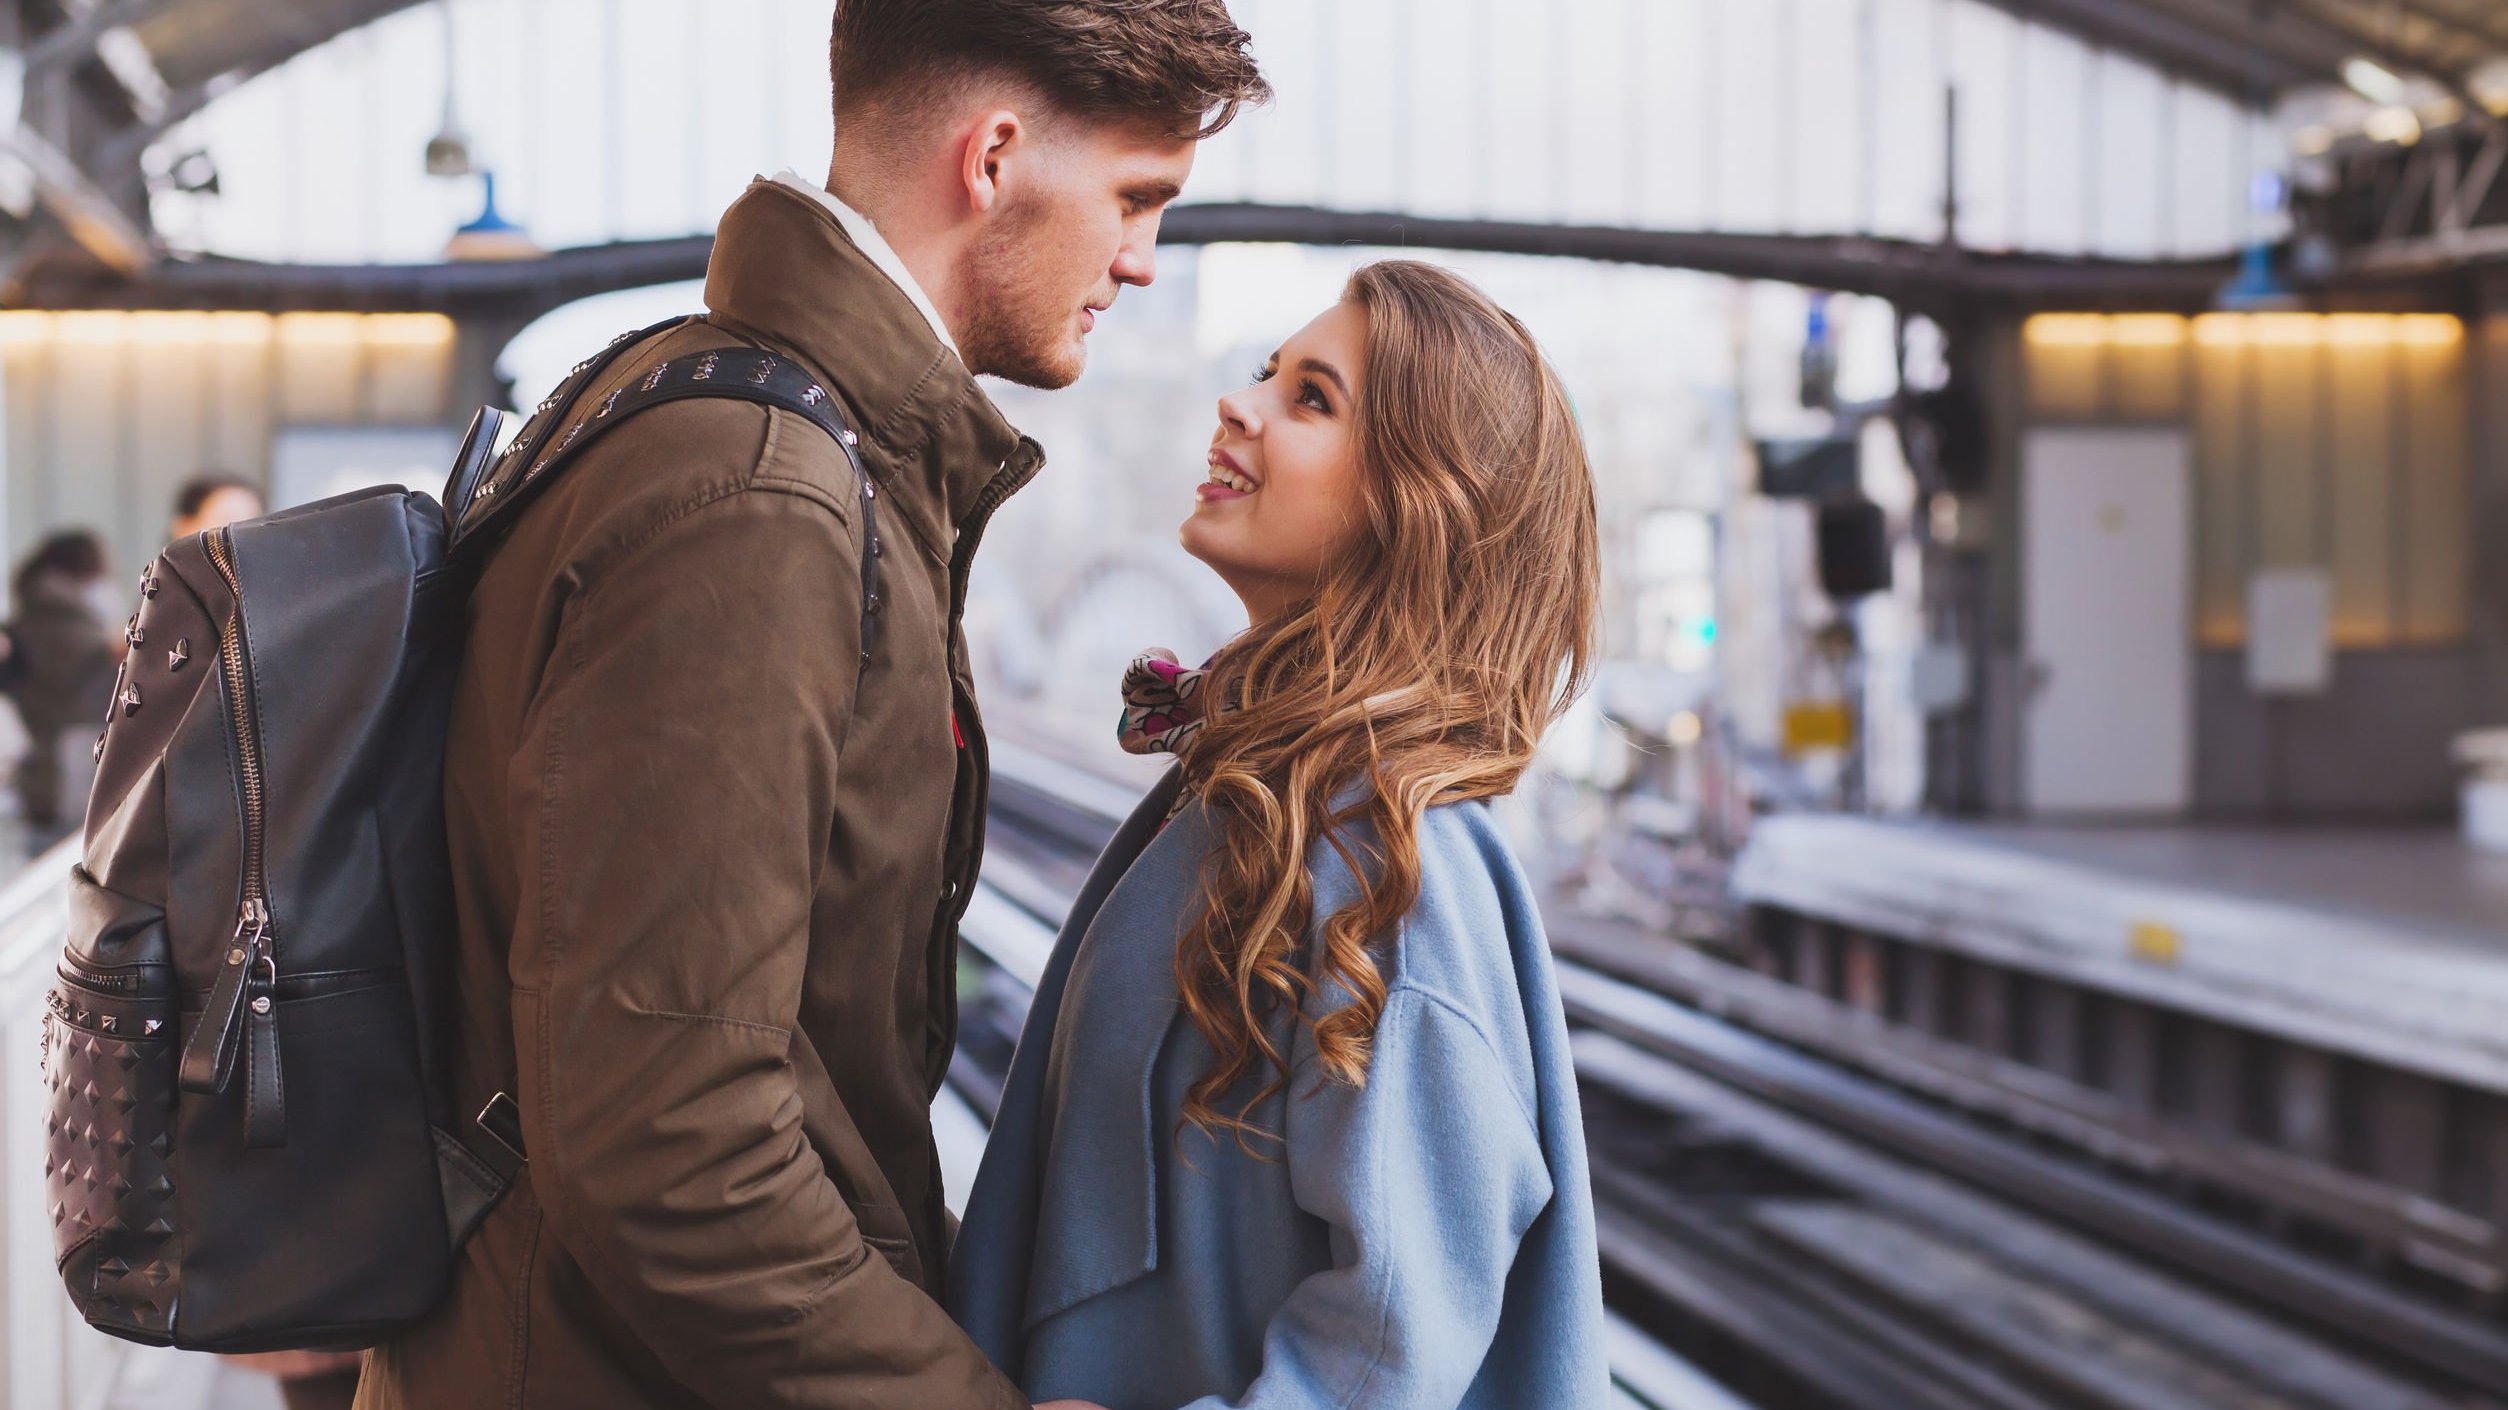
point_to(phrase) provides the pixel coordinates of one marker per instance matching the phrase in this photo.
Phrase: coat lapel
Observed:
(1000, 1258)
(1097, 1201)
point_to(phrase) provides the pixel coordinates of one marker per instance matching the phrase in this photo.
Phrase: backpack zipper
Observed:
(239, 697)
(248, 963)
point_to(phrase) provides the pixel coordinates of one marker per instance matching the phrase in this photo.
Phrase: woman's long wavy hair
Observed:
(1423, 669)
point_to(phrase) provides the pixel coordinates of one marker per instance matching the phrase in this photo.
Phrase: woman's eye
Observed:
(1313, 395)
(1262, 374)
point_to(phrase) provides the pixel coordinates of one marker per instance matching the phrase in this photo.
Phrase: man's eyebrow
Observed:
(1325, 369)
(1157, 193)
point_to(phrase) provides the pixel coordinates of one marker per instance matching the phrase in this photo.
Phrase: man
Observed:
(213, 502)
(711, 837)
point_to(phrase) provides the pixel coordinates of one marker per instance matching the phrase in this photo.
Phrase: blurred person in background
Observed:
(213, 502)
(714, 781)
(1293, 1121)
(66, 643)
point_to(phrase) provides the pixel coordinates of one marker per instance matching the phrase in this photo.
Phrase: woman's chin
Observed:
(1194, 534)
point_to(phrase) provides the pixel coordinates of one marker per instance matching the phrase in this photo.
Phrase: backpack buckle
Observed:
(502, 1120)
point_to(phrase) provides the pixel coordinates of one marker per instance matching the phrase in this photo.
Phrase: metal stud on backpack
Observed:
(251, 1143)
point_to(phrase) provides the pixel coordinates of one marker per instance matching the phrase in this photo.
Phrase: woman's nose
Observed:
(1236, 412)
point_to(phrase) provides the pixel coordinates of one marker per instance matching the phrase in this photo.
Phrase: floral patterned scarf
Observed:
(1162, 709)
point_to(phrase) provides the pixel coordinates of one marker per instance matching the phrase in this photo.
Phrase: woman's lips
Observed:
(1212, 491)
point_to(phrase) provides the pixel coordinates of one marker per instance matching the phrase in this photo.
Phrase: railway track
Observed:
(1821, 1238)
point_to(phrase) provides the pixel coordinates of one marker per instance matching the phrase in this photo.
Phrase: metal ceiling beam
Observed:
(2170, 42)
(2298, 36)
(67, 46)
(1921, 276)
(91, 217)
(195, 41)
(2455, 78)
(2488, 33)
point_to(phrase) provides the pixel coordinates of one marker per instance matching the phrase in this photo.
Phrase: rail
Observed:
(1855, 1235)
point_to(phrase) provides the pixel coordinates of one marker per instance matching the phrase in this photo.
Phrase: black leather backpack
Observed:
(251, 1142)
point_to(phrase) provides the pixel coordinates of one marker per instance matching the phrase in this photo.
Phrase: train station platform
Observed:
(2390, 945)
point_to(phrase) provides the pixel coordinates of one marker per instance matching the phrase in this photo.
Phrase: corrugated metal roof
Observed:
(195, 41)
(2261, 48)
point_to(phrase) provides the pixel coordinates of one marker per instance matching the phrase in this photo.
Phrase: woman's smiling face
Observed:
(1282, 500)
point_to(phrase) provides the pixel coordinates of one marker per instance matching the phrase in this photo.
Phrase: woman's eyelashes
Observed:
(1310, 392)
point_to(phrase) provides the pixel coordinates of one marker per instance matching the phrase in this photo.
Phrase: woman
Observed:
(1293, 1122)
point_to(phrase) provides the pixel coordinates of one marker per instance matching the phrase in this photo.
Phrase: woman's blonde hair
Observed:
(1423, 670)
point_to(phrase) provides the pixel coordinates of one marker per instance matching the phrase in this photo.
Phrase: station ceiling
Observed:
(2254, 50)
(2259, 49)
(196, 41)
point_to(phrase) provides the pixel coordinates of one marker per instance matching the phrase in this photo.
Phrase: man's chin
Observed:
(1046, 370)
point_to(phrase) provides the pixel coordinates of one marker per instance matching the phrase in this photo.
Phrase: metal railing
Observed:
(49, 1358)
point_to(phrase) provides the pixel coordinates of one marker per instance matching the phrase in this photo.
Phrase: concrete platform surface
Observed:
(2392, 945)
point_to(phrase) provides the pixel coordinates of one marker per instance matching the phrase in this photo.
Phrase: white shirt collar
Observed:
(868, 239)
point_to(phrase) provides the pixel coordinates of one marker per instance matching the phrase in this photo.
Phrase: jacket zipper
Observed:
(942, 974)
(249, 963)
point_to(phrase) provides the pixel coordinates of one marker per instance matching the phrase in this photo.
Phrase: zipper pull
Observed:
(209, 1058)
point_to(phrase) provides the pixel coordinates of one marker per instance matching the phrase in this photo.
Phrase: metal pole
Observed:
(1950, 165)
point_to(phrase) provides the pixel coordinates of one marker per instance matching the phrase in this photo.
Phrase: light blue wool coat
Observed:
(1425, 1242)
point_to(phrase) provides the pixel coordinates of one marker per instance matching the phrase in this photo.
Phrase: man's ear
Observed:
(999, 135)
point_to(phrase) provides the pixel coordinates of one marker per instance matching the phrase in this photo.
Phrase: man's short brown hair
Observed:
(1178, 62)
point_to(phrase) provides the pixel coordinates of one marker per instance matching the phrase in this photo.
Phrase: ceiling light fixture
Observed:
(2373, 81)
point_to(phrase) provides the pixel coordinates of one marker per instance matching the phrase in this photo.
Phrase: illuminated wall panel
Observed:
(107, 413)
(2334, 441)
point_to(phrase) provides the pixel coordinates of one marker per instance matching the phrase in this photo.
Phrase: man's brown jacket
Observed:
(709, 864)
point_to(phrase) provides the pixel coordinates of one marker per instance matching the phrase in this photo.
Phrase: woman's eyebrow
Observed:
(1325, 369)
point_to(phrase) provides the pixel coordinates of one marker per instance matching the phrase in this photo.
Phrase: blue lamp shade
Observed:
(492, 236)
(2257, 285)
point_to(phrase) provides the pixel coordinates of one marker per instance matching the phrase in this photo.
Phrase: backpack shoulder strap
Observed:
(470, 471)
(749, 374)
(544, 450)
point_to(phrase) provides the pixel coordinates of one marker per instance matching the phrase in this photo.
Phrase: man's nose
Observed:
(1137, 261)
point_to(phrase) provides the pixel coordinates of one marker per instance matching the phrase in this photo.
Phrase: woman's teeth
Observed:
(1222, 475)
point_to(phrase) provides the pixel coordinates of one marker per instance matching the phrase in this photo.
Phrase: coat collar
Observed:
(785, 271)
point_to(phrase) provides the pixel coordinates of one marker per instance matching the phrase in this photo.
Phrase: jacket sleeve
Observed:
(1428, 1177)
(675, 791)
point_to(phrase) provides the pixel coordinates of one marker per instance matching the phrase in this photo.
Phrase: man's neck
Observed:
(927, 252)
(876, 237)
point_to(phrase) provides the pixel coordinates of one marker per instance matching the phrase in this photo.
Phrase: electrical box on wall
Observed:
(2290, 648)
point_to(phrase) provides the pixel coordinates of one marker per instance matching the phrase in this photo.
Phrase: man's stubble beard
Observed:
(1016, 324)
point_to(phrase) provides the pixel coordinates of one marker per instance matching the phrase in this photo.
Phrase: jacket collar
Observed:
(784, 271)
(867, 238)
